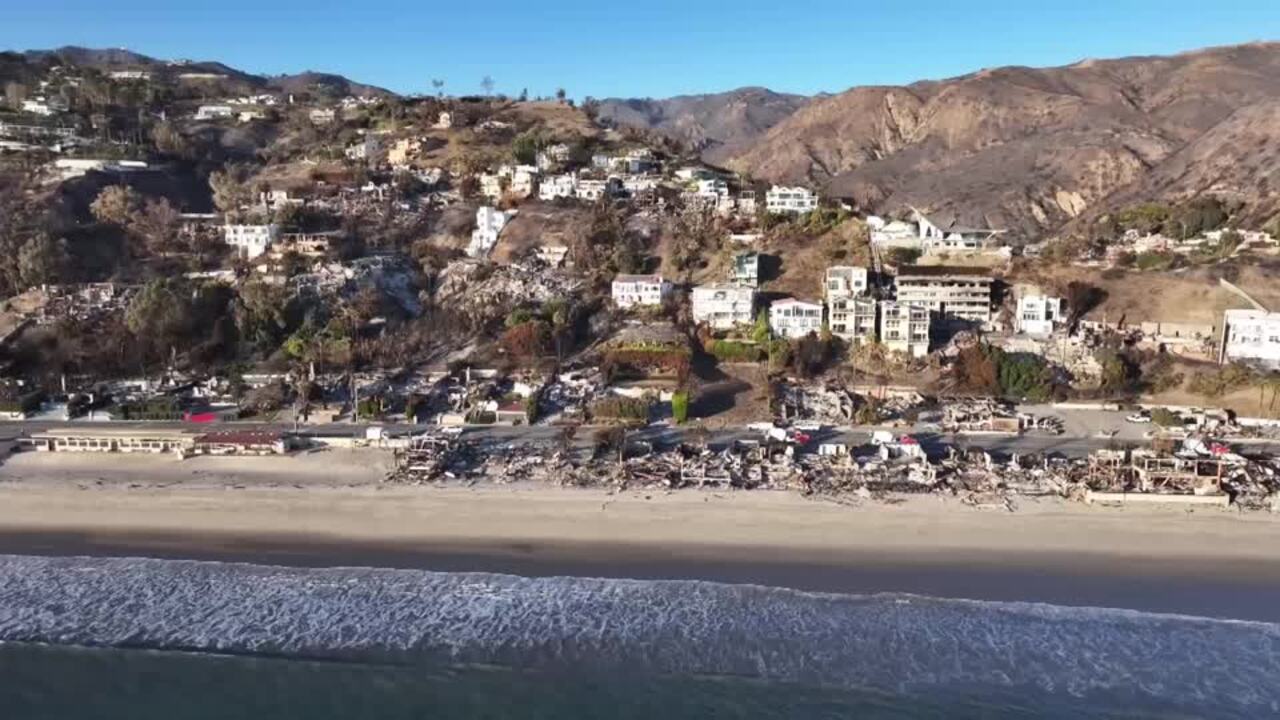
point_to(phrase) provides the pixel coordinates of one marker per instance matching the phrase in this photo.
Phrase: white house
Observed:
(444, 121)
(793, 200)
(950, 235)
(793, 318)
(524, 179)
(1251, 336)
(852, 318)
(322, 116)
(491, 185)
(723, 306)
(558, 186)
(489, 224)
(250, 241)
(129, 75)
(633, 290)
(37, 106)
(893, 233)
(844, 281)
(214, 112)
(904, 328)
(1039, 314)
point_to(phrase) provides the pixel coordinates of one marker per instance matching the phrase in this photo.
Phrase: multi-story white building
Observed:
(489, 225)
(792, 200)
(904, 328)
(129, 75)
(37, 106)
(322, 116)
(214, 112)
(632, 290)
(250, 241)
(893, 233)
(958, 292)
(852, 318)
(844, 281)
(793, 318)
(524, 180)
(591, 190)
(558, 186)
(518, 181)
(1251, 336)
(723, 306)
(1039, 314)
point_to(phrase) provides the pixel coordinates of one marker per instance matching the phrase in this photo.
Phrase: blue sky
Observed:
(637, 49)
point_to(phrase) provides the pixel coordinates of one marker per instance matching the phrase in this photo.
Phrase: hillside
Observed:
(720, 124)
(121, 59)
(1028, 149)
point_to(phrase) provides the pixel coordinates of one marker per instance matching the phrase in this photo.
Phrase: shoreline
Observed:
(326, 511)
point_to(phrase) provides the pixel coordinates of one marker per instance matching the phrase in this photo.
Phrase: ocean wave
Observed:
(895, 642)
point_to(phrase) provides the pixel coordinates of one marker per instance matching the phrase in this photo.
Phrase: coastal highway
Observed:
(1079, 440)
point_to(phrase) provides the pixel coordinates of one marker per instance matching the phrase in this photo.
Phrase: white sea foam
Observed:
(895, 642)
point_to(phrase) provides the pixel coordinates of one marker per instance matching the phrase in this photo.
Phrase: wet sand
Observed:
(1208, 562)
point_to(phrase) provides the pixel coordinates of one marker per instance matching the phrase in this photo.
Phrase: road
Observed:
(1086, 431)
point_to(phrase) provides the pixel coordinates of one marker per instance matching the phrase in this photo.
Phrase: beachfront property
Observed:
(852, 319)
(250, 241)
(721, 307)
(790, 200)
(1251, 336)
(793, 318)
(160, 440)
(634, 290)
(955, 292)
(489, 225)
(904, 328)
(1040, 314)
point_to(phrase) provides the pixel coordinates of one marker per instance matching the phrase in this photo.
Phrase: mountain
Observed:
(720, 124)
(120, 58)
(1029, 149)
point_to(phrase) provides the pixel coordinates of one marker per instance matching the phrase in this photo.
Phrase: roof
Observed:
(793, 301)
(637, 278)
(943, 271)
(241, 437)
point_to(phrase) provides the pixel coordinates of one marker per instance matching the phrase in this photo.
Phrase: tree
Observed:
(524, 148)
(524, 95)
(14, 94)
(527, 340)
(171, 142)
(760, 332)
(487, 83)
(560, 94)
(157, 226)
(42, 260)
(438, 85)
(115, 205)
(230, 187)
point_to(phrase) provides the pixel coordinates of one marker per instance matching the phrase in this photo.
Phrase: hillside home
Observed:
(844, 281)
(722, 307)
(444, 121)
(746, 268)
(552, 255)
(403, 150)
(322, 116)
(489, 225)
(129, 75)
(1039, 314)
(250, 241)
(214, 112)
(793, 318)
(790, 200)
(1251, 336)
(37, 107)
(957, 292)
(904, 328)
(852, 319)
(633, 290)
(893, 233)
(365, 149)
(947, 234)
(558, 186)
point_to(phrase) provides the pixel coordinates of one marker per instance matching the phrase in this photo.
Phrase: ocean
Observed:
(143, 638)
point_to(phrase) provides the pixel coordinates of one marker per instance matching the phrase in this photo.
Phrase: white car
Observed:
(762, 427)
(809, 427)
(1142, 416)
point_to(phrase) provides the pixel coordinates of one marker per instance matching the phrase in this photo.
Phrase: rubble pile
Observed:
(979, 414)
(829, 403)
(481, 290)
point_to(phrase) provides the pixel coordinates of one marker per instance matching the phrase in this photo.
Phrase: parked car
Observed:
(1142, 416)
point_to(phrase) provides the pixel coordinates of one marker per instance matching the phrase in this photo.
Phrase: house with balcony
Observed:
(640, 290)
(962, 293)
(250, 241)
(790, 200)
(793, 318)
(723, 307)
(904, 328)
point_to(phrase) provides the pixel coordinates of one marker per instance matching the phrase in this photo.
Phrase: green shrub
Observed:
(621, 408)
(1164, 417)
(680, 407)
(734, 351)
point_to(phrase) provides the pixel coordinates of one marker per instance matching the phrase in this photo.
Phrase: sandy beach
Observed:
(328, 509)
